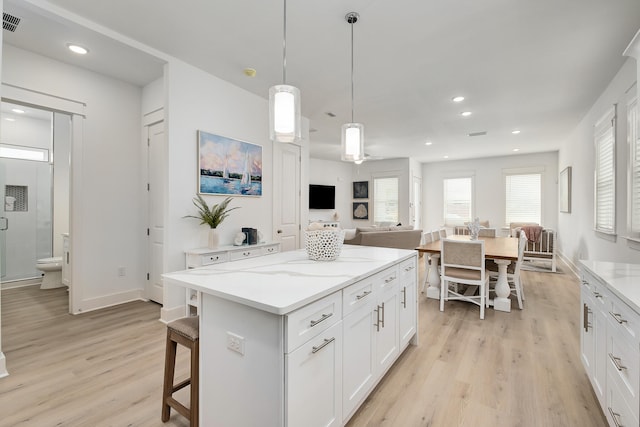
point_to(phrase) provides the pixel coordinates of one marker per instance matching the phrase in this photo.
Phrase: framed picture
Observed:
(565, 190)
(361, 190)
(361, 210)
(228, 166)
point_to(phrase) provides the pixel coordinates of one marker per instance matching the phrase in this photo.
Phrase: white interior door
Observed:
(156, 189)
(286, 200)
(416, 203)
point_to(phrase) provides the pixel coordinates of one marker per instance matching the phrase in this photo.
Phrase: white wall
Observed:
(327, 172)
(61, 159)
(489, 187)
(577, 237)
(109, 217)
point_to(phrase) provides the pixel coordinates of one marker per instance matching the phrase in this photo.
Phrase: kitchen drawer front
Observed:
(623, 364)
(208, 259)
(626, 320)
(245, 253)
(387, 278)
(358, 295)
(618, 412)
(308, 321)
(407, 269)
(271, 249)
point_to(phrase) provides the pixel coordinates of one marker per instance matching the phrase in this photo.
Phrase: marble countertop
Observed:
(283, 282)
(622, 279)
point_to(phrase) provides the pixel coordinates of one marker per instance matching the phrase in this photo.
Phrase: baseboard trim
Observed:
(170, 314)
(12, 284)
(105, 301)
(3, 366)
(574, 269)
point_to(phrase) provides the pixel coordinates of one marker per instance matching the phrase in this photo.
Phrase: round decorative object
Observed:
(325, 244)
(239, 238)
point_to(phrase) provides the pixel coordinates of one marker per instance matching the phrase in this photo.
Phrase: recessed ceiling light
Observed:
(249, 72)
(428, 143)
(445, 157)
(515, 132)
(458, 99)
(77, 49)
(10, 119)
(465, 113)
(516, 149)
(18, 111)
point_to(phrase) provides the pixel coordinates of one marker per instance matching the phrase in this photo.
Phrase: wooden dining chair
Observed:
(462, 263)
(513, 271)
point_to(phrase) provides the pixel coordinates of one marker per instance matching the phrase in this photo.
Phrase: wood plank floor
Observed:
(104, 368)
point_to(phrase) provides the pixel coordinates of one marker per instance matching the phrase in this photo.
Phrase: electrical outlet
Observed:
(235, 342)
(122, 271)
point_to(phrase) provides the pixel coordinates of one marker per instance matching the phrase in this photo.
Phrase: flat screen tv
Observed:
(322, 196)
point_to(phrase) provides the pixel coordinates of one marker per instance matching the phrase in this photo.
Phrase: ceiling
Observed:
(534, 66)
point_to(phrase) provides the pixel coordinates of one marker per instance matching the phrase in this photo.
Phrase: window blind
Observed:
(605, 188)
(634, 169)
(523, 198)
(385, 200)
(458, 203)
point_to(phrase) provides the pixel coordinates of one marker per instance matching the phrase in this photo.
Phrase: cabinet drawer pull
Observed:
(616, 361)
(364, 294)
(597, 294)
(404, 297)
(409, 268)
(614, 417)
(390, 279)
(326, 342)
(322, 319)
(618, 317)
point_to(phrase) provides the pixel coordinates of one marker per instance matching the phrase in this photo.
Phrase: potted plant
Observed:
(213, 216)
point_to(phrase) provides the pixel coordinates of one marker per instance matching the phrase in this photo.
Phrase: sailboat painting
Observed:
(228, 166)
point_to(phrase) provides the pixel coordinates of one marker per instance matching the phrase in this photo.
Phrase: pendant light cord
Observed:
(284, 46)
(352, 22)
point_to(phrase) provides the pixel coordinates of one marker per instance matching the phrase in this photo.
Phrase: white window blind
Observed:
(523, 198)
(605, 185)
(634, 169)
(458, 203)
(385, 200)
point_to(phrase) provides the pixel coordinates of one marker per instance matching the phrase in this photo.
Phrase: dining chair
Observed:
(427, 238)
(462, 263)
(436, 235)
(443, 233)
(513, 271)
(487, 232)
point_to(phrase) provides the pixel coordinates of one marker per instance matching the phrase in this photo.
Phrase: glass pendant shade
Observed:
(353, 142)
(284, 114)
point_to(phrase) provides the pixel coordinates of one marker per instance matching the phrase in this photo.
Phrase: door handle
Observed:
(5, 222)
(279, 231)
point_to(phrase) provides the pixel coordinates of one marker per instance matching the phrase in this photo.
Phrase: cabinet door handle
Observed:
(382, 307)
(618, 317)
(326, 342)
(377, 324)
(585, 318)
(404, 297)
(614, 417)
(67, 257)
(364, 294)
(616, 361)
(322, 319)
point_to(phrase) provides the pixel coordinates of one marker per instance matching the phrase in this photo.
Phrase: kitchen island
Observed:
(286, 341)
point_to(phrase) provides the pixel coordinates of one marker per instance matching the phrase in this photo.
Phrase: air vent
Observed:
(9, 22)
(484, 132)
(330, 114)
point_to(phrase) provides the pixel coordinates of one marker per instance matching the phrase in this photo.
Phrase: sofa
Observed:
(400, 237)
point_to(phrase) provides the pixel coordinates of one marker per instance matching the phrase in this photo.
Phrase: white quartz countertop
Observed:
(622, 279)
(283, 282)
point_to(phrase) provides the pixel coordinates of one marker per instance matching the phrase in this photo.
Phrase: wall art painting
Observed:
(228, 166)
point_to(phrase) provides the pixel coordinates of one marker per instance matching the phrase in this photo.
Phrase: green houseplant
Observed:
(212, 216)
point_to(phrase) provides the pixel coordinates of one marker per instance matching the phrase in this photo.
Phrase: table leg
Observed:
(502, 302)
(433, 278)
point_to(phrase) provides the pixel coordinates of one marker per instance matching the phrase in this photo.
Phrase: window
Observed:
(24, 153)
(458, 200)
(634, 170)
(385, 200)
(523, 197)
(605, 185)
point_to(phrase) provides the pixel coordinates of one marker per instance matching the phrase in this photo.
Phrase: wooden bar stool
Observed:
(184, 332)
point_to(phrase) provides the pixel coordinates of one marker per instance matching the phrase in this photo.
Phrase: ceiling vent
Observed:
(9, 22)
(484, 132)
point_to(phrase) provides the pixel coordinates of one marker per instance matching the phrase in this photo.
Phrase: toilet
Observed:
(52, 269)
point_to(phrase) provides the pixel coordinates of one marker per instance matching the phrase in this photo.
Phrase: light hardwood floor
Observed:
(104, 368)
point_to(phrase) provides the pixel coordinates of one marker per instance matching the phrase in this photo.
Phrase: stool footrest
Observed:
(181, 385)
(182, 410)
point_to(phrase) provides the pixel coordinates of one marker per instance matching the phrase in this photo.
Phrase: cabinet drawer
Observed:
(623, 365)
(407, 269)
(208, 259)
(245, 253)
(358, 295)
(626, 320)
(387, 278)
(271, 249)
(308, 321)
(618, 413)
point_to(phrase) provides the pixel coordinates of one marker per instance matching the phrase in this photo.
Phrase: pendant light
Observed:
(352, 133)
(284, 102)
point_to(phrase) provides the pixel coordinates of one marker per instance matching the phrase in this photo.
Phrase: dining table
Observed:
(502, 250)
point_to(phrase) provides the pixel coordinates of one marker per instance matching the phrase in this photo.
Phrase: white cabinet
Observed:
(314, 381)
(610, 350)
(387, 332)
(408, 301)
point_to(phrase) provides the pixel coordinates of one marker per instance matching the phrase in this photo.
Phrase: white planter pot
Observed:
(213, 239)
